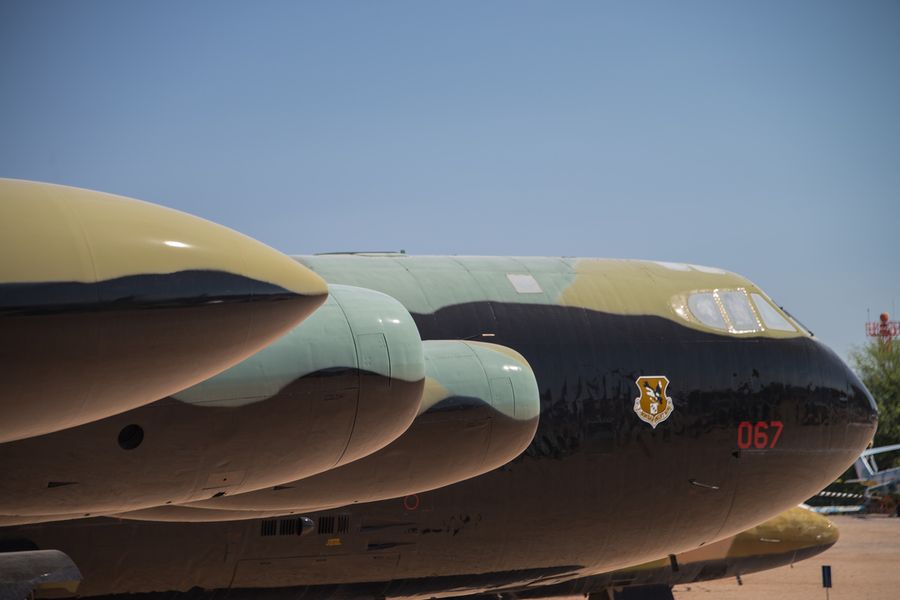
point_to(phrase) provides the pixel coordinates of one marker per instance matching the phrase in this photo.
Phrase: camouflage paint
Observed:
(425, 284)
(597, 490)
(479, 410)
(315, 399)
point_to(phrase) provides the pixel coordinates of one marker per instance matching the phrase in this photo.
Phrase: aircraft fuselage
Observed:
(755, 422)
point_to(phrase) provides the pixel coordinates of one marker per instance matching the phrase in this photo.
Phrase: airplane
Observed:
(880, 485)
(867, 473)
(850, 508)
(240, 483)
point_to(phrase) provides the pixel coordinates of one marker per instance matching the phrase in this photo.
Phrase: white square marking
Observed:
(524, 284)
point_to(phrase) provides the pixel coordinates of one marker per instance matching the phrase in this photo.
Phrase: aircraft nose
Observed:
(108, 303)
(807, 423)
(852, 415)
(861, 407)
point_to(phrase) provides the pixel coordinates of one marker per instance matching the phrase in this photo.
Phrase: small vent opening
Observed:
(287, 527)
(268, 527)
(343, 524)
(326, 525)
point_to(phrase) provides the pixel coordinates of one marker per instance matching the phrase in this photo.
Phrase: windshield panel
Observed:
(739, 312)
(770, 316)
(706, 310)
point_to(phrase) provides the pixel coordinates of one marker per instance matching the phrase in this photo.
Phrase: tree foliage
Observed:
(878, 365)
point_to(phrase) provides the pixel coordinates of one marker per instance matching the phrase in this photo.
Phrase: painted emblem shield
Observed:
(653, 405)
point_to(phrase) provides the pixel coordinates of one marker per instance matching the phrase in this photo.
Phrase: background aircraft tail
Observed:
(867, 469)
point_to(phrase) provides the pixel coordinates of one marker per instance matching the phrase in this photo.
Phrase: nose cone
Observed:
(827, 418)
(108, 303)
(862, 411)
(840, 407)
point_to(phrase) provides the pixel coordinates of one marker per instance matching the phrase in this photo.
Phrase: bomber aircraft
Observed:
(424, 426)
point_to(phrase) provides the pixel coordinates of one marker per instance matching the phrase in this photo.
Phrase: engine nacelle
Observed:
(479, 411)
(343, 384)
(109, 303)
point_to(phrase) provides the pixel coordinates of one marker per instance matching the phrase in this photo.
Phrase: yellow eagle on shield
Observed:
(653, 405)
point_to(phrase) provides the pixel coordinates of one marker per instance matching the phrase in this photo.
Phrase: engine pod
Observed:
(479, 410)
(344, 383)
(109, 303)
(367, 330)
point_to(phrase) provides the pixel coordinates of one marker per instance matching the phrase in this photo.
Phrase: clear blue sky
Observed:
(762, 137)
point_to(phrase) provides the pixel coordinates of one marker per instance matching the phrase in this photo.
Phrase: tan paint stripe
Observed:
(629, 287)
(433, 393)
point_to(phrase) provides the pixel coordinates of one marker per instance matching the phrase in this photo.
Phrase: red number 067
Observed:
(762, 434)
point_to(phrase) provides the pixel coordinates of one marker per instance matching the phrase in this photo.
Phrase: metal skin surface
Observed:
(321, 396)
(794, 535)
(599, 489)
(109, 303)
(479, 411)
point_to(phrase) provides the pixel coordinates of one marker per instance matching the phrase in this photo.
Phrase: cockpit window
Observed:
(705, 308)
(771, 317)
(727, 310)
(733, 311)
(737, 306)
